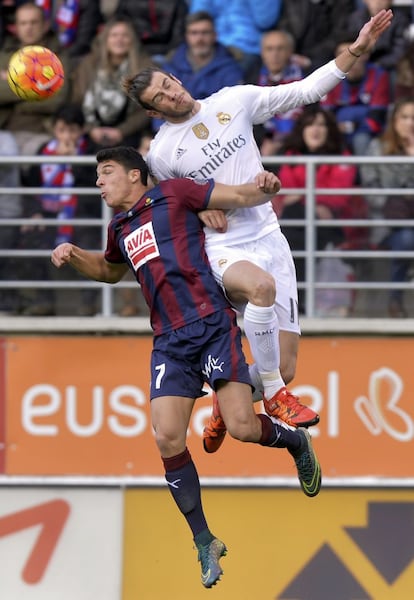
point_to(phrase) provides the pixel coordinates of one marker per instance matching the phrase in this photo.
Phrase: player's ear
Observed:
(134, 175)
(154, 114)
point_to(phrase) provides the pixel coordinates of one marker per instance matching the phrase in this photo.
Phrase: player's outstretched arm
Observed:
(248, 194)
(366, 39)
(265, 182)
(90, 264)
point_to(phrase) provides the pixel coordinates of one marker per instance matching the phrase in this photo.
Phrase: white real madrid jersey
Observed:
(218, 142)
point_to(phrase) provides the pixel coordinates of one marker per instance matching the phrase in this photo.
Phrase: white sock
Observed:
(262, 330)
(256, 383)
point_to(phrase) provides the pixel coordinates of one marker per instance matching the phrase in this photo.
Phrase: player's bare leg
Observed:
(246, 282)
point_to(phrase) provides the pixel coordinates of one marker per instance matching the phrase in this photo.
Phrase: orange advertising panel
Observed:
(2, 405)
(79, 406)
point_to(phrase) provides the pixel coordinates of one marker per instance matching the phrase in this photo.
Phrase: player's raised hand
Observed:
(62, 254)
(372, 30)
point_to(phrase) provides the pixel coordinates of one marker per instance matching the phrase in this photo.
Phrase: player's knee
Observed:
(168, 443)
(242, 428)
(263, 290)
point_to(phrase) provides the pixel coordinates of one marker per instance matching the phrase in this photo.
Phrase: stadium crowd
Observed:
(207, 45)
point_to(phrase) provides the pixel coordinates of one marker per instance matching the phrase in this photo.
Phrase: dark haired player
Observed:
(157, 235)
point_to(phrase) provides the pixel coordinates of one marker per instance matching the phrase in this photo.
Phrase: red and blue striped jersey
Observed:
(161, 239)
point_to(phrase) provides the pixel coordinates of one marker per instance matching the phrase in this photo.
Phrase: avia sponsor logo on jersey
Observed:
(216, 155)
(141, 245)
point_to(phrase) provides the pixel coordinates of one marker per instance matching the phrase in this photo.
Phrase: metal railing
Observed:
(310, 255)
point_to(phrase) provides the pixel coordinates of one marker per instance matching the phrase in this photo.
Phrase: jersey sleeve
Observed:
(193, 194)
(305, 91)
(113, 253)
(262, 103)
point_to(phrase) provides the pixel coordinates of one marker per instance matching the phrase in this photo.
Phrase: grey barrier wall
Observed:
(369, 283)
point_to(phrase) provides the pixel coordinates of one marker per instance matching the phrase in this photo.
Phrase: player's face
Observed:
(116, 185)
(169, 99)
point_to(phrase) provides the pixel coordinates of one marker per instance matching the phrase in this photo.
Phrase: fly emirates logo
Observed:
(141, 245)
(217, 154)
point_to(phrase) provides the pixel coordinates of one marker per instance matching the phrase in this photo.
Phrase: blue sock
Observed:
(184, 484)
(278, 437)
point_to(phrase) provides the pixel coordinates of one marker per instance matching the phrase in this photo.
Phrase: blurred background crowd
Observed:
(207, 44)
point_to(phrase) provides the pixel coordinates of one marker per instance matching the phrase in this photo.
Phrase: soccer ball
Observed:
(35, 73)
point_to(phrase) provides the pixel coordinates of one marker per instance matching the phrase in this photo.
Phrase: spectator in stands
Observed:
(404, 77)
(240, 25)
(202, 64)
(68, 140)
(397, 140)
(159, 24)
(107, 9)
(315, 27)
(30, 122)
(360, 102)
(11, 207)
(391, 46)
(277, 68)
(314, 132)
(111, 117)
(76, 22)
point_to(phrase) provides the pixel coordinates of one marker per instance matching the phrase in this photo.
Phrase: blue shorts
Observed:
(206, 351)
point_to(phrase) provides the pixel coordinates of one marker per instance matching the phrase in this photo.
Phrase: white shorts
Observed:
(271, 253)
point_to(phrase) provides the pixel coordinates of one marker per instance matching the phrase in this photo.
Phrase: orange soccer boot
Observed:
(215, 430)
(285, 406)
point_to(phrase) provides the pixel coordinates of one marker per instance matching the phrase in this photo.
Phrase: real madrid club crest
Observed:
(200, 131)
(223, 118)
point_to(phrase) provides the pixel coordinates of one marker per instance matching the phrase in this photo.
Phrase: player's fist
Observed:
(268, 182)
(62, 254)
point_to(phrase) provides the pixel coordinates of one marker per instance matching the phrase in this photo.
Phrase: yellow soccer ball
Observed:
(35, 73)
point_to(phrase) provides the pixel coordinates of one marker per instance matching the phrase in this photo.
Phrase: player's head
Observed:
(161, 94)
(127, 157)
(122, 173)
